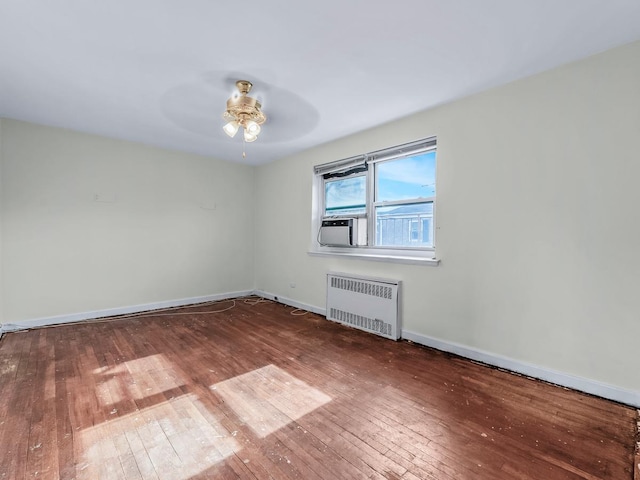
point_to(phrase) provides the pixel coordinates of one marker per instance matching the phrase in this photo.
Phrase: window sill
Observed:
(406, 259)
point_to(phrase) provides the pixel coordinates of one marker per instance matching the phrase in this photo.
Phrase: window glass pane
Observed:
(427, 231)
(409, 225)
(345, 196)
(405, 178)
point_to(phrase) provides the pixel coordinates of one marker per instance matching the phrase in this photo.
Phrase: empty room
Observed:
(334, 240)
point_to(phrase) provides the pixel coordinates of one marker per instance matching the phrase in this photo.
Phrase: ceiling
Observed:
(159, 72)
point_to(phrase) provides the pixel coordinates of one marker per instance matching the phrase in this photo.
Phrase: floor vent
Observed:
(370, 304)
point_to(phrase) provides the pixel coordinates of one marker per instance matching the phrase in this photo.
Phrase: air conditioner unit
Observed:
(341, 232)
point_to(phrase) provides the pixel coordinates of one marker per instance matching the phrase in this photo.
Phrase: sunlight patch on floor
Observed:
(174, 440)
(269, 398)
(136, 379)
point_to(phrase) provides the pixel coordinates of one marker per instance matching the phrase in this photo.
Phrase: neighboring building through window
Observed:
(389, 193)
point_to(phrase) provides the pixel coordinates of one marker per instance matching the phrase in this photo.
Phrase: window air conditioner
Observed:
(339, 232)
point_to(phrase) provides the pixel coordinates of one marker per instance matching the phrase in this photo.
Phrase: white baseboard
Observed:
(593, 387)
(110, 312)
(628, 397)
(291, 303)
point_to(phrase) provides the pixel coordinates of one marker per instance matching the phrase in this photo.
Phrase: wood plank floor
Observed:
(255, 392)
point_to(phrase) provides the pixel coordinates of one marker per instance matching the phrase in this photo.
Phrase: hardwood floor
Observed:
(255, 392)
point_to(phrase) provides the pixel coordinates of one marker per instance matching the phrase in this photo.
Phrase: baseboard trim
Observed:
(290, 302)
(111, 312)
(585, 385)
(593, 387)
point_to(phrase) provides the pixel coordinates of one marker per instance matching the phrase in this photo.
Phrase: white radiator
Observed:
(370, 304)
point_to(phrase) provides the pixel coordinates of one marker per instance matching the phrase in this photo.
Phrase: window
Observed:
(404, 192)
(346, 196)
(390, 194)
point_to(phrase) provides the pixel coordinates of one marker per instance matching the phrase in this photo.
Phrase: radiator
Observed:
(370, 304)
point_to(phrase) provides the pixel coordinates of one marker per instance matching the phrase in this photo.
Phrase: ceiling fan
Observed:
(243, 111)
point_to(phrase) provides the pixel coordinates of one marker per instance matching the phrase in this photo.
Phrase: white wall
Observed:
(90, 223)
(537, 221)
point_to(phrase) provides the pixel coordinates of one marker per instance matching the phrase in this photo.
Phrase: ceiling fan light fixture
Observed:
(231, 128)
(252, 127)
(248, 137)
(243, 111)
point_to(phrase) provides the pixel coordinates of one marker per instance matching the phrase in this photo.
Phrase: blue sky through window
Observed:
(406, 178)
(412, 177)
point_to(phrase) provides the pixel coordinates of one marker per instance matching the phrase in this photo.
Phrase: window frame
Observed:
(367, 166)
